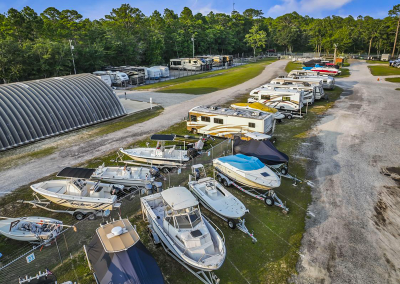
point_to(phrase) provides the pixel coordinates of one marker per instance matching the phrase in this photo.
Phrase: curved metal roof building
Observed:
(34, 110)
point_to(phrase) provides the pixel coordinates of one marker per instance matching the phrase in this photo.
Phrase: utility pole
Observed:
(193, 45)
(334, 55)
(395, 39)
(72, 54)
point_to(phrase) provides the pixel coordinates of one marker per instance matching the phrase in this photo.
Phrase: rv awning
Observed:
(163, 137)
(133, 266)
(264, 150)
(76, 173)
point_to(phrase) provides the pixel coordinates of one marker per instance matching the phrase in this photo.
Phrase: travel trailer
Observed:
(164, 70)
(102, 75)
(228, 59)
(224, 122)
(207, 61)
(328, 82)
(287, 100)
(217, 60)
(154, 73)
(385, 57)
(309, 91)
(192, 64)
(316, 82)
(117, 78)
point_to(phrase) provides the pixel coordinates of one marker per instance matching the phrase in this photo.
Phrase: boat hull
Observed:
(240, 179)
(157, 161)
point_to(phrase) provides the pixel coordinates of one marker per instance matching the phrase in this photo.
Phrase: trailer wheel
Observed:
(92, 216)
(225, 182)
(79, 216)
(194, 130)
(219, 178)
(289, 116)
(152, 238)
(284, 171)
(269, 201)
(165, 170)
(231, 224)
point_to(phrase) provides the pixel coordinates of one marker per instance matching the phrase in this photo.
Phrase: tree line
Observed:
(34, 46)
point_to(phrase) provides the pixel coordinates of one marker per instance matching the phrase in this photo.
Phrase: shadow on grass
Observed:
(192, 91)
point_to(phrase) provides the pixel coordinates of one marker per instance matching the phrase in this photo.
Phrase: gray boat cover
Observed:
(133, 266)
(264, 150)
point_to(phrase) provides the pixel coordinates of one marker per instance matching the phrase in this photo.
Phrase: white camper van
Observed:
(154, 73)
(282, 99)
(192, 64)
(164, 70)
(102, 75)
(224, 122)
(319, 91)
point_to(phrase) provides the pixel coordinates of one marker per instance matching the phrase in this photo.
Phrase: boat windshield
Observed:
(188, 220)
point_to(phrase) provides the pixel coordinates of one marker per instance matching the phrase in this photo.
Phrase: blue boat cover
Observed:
(307, 68)
(133, 266)
(242, 162)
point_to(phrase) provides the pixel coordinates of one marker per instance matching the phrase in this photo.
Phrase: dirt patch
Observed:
(380, 213)
(393, 172)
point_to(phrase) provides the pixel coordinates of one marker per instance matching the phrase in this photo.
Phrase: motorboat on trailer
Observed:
(261, 107)
(324, 70)
(248, 171)
(30, 229)
(129, 176)
(79, 193)
(215, 197)
(117, 255)
(164, 154)
(175, 217)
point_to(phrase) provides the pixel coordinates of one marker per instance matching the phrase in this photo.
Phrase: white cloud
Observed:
(306, 6)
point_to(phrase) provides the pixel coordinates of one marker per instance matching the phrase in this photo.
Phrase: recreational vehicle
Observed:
(309, 91)
(193, 64)
(287, 100)
(385, 57)
(217, 60)
(319, 90)
(328, 82)
(154, 73)
(102, 75)
(224, 122)
(228, 59)
(163, 70)
(117, 78)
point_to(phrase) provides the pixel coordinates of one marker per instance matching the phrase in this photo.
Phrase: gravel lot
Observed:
(69, 156)
(163, 99)
(354, 237)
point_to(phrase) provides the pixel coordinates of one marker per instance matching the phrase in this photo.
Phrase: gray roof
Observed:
(254, 114)
(38, 109)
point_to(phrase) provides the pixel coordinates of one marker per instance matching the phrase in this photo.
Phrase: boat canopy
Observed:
(242, 162)
(179, 198)
(264, 150)
(133, 266)
(163, 137)
(69, 172)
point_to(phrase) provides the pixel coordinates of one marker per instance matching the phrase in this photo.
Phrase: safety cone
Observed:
(378, 78)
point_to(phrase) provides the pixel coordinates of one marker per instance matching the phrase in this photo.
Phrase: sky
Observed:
(96, 9)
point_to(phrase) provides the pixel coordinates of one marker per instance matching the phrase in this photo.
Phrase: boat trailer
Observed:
(270, 198)
(79, 214)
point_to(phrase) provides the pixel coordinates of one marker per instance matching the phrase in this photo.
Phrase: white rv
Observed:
(193, 64)
(117, 78)
(385, 57)
(217, 60)
(164, 70)
(319, 90)
(309, 91)
(154, 73)
(225, 122)
(328, 82)
(102, 75)
(285, 100)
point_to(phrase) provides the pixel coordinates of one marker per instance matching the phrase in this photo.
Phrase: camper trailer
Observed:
(207, 61)
(385, 57)
(285, 100)
(164, 70)
(217, 60)
(319, 91)
(309, 91)
(224, 122)
(117, 78)
(191, 64)
(228, 59)
(102, 75)
(328, 82)
(154, 73)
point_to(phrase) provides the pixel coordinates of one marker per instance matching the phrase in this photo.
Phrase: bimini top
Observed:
(34, 110)
(179, 198)
(243, 162)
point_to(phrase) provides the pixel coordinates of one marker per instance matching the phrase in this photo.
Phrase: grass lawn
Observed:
(346, 64)
(377, 62)
(345, 73)
(379, 70)
(293, 66)
(211, 81)
(393, 80)
(16, 156)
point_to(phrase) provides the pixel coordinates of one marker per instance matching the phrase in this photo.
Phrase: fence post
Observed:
(58, 249)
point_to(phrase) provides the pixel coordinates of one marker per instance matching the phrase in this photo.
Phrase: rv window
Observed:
(194, 61)
(218, 120)
(205, 118)
(252, 125)
(193, 118)
(265, 97)
(286, 99)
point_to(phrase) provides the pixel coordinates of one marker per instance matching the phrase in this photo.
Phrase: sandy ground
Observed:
(354, 237)
(31, 171)
(163, 99)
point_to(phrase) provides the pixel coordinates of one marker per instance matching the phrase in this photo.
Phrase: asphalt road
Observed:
(354, 237)
(68, 156)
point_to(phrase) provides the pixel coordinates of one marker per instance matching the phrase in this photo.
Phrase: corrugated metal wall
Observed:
(34, 110)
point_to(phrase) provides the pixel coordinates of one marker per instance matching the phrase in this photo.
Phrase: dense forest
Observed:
(36, 46)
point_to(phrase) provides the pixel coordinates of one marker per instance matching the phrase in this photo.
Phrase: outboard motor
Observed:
(192, 153)
(117, 190)
(155, 172)
(197, 174)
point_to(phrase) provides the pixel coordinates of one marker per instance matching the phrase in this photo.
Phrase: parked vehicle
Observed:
(225, 122)
(164, 70)
(102, 75)
(328, 82)
(154, 73)
(307, 82)
(385, 57)
(193, 64)
(287, 100)
(309, 90)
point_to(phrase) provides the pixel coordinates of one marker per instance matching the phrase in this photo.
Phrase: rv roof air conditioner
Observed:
(213, 107)
(255, 113)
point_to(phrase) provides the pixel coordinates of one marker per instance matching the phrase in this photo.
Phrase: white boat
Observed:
(162, 154)
(127, 176)
(215, 197)
(30, 229)
(78, 193)
(174, 215)
(248, 171)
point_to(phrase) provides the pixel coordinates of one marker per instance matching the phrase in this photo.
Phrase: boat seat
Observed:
(211, 191)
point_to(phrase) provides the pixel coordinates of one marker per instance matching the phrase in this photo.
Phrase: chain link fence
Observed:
(57, 253)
